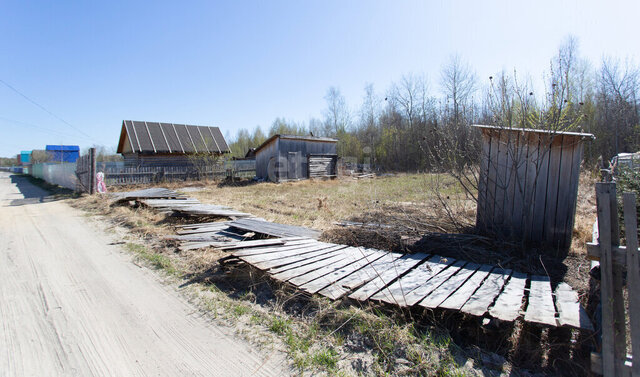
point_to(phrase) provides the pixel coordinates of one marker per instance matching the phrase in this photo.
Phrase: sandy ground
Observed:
(72, 303)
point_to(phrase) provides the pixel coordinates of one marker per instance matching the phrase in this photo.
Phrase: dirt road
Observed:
(72, 304)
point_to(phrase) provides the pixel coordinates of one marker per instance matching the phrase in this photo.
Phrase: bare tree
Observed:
(336, 115)
(458, 84)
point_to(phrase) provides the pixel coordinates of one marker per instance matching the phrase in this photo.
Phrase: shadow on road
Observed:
(32, 193)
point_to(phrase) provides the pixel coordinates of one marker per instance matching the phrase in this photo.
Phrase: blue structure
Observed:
(25, 157)
(63, 153)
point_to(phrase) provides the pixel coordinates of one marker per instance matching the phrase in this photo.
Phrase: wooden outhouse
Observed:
(291, 157)
(528, 185)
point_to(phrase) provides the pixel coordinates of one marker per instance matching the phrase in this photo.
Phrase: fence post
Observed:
(633, 276)
(613, 320)
(92, 171)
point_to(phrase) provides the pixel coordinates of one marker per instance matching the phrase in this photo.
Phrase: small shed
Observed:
(291, 157)
(63, 153)
(167, 144)
(528, 185)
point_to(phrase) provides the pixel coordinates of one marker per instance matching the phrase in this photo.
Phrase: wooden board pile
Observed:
(430, 281)
(166, 200)
(337, 271)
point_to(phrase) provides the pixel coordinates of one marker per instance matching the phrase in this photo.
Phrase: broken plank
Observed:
(203, 230)
(209, 210)
(199, 225)
(299, 258)
(479, 303)
(429, 286)
(396, 292)
(437, 297)
(307, 278)
(570, 312)
(275, 229)
(337, 249)
(326, 259)
(398, 268)
(357, 277)
(273, 249)
(368, 256)
(540, 308)
(280, 258)
(509, 302)
(464, 293)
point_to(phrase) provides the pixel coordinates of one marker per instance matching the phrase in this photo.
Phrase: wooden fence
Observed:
(86, 172)
(151, 174)
(615, 260)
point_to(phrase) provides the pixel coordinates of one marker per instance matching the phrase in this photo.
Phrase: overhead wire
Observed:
(45, 109)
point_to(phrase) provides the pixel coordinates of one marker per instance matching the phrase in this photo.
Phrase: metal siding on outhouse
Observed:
(528, 185)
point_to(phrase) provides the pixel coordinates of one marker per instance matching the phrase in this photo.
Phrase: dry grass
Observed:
(318, 204)
(313, 330)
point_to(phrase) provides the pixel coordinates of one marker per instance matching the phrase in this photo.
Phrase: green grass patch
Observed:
(157, 261)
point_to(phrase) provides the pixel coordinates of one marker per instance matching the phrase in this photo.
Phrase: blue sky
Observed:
(239, 64)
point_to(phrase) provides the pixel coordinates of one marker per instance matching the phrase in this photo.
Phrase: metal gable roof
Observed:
(156, 137)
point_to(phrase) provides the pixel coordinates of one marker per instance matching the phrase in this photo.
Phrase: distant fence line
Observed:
(118, 174)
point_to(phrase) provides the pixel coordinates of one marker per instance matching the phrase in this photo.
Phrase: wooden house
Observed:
(528, 185)
(168, 144)
(291, 157)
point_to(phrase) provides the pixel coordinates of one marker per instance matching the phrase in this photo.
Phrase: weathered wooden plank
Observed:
(318, 262)
(203, 230)
(570, 312)
(509, 302)
(209, 210)
(396, 292)
(519, 184)
(307, 280)
(633, 274)
(479, 302)
(368, 273)
(437, 297)
(274, 229)
(542, 175)
(398, 268)
(272, 249)
(502, 185)
(280, 258)
(550, 230)
(464, 293)
(336, 249)
(258, 243)
(432, 284)
(288, 257)
(368, 256)
(528, 207)
(625, 365)
(540, 308)
(603, 193)
(200, 225)
(357, 277)
(481, 216)
(493, 181)
(156, 192)
(567, 193)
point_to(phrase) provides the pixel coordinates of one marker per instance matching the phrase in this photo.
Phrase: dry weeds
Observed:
(408, 207)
